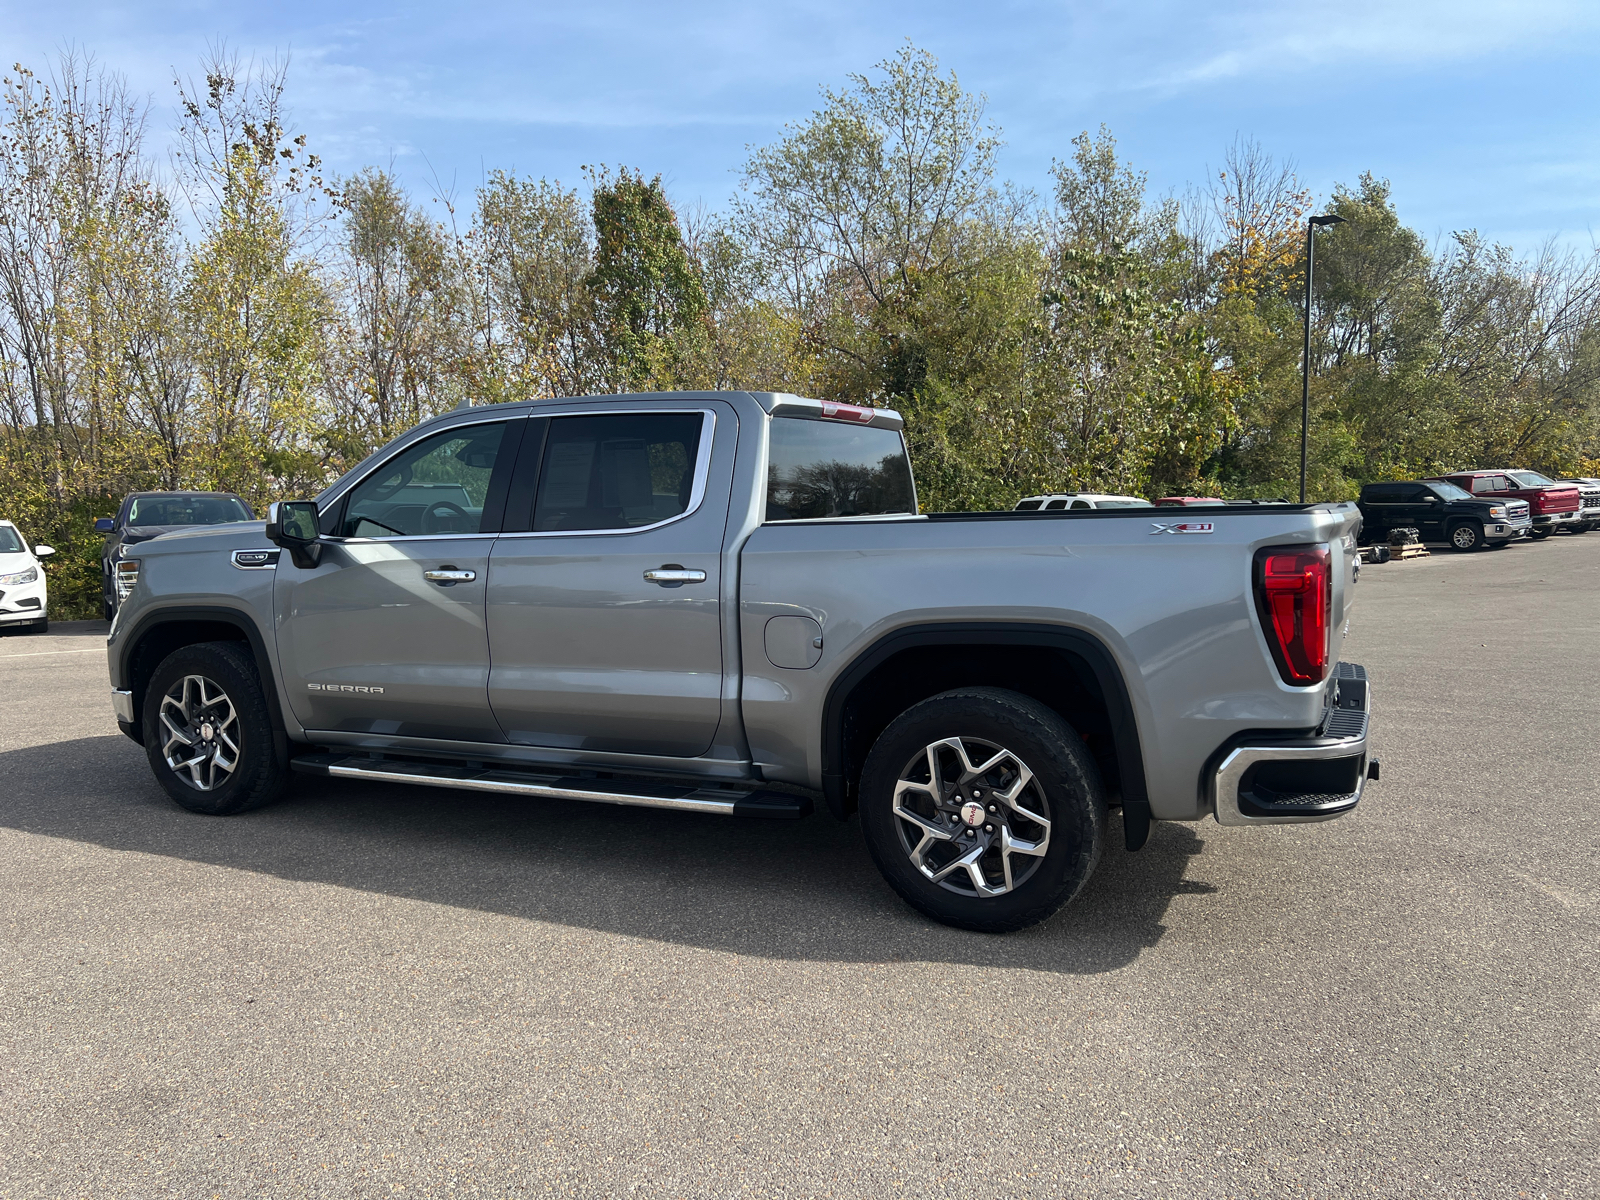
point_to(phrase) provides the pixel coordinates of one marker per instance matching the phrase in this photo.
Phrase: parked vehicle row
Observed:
(1469, 510)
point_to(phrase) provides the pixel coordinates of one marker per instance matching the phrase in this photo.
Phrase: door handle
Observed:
(672, 575)
(448, 575)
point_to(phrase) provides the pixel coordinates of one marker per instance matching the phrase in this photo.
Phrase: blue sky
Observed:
(1482, 113)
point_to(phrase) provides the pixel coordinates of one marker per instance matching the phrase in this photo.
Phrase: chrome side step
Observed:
(646, 793)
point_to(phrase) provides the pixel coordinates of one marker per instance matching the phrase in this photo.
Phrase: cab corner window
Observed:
(829, 469)
(617, 471)
(438, 486)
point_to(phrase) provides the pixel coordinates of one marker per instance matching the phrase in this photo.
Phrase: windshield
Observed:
(1449, 491)
(10, 542)
(1530, 478)
(187, 510)
(1123, 504)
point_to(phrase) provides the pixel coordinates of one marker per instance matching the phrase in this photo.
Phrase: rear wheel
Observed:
(1540, 533)
(1466, 535)
(982, 809)
(208, 732)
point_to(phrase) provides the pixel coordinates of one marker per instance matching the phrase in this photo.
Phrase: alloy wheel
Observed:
(966, 809)
(202, 732)
(1465, 537)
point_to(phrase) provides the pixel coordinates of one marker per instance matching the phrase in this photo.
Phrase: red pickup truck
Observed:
(1552, 505)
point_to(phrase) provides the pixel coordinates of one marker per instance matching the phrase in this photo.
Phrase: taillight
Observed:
(1294, 586)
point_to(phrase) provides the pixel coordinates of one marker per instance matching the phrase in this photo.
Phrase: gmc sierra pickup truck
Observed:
(727, 603)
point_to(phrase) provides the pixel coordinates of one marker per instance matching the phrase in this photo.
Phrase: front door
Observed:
(386, 635)
(603, 611)
(1425, 511)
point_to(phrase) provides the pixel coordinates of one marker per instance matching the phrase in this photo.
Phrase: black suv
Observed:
(145, 515)
(1441, 512)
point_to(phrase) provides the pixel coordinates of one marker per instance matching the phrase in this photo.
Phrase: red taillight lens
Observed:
(1294, 585)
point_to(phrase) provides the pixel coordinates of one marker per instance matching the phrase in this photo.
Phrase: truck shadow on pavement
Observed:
(803, 890)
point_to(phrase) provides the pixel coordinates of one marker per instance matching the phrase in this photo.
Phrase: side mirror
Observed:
(43, 551)
(104, 524)
(293, 525)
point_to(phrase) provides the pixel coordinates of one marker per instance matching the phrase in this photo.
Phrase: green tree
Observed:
(650, 305)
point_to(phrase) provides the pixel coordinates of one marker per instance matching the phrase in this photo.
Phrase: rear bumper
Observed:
(1262, 779)
(1554, 520)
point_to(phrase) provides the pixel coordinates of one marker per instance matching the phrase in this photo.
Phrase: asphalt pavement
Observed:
(375, 990)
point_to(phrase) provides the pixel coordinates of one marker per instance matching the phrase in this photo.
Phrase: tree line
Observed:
(230, 316)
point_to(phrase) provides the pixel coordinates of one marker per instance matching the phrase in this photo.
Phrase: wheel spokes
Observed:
(190, 708)
(960, 771)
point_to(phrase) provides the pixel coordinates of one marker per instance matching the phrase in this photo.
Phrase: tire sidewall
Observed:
(252, 780)
(1049, 747)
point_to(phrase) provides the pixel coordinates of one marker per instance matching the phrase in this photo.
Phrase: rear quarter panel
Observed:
(1175, 612)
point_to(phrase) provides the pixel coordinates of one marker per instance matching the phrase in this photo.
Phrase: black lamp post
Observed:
(1305, 362)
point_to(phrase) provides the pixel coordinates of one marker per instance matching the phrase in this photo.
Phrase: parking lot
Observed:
(370, 990)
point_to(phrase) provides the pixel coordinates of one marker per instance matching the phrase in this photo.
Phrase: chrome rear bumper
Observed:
(1290, 781)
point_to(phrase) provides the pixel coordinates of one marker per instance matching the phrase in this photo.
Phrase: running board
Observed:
(647, 793)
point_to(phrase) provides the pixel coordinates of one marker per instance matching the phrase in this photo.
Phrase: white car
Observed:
(1081, 500)
(23, 598)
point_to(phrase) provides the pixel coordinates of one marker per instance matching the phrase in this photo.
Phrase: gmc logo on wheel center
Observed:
(342, 687)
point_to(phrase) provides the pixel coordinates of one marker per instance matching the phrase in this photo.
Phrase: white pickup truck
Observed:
(728, 603)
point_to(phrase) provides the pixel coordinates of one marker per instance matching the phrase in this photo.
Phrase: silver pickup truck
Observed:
(727, 603)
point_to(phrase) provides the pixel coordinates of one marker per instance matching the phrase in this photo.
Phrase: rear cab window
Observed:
(818, 469)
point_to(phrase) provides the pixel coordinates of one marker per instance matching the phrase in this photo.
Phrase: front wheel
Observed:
(982, 809)
(208, 732)
(1466, 535)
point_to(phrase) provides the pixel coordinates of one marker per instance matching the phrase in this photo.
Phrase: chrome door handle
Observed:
(448, 575)
(673, 575)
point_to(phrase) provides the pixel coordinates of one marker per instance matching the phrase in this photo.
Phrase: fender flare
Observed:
(1119, 705)
(217, 614)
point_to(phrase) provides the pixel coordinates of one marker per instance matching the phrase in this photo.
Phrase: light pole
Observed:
(1305, 362)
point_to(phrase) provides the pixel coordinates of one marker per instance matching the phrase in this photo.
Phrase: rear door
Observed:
(386, 634)
(604, 608)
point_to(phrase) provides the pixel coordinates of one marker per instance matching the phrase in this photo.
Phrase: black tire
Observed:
(1465, 535)
(1540, 533)
(1064, 780)
(107, 611)
(259, 775)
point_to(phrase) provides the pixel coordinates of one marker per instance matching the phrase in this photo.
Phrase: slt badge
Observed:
(1184, 527)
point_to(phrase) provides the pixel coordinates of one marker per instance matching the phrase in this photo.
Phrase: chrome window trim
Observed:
(697, 492)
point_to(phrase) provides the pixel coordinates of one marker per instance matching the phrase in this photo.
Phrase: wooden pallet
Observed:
(1413, 550)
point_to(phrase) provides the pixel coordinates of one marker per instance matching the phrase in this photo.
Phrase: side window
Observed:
(1081, 504)
(1487, 483)
(440, 485)
(1380, 493)
(617, 470)
(831, 469)
(1055, 505)
(1027, 505)
(1412, 493)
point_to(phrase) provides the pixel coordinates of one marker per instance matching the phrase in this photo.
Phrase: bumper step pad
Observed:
(1285, 781)
(646, 793)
